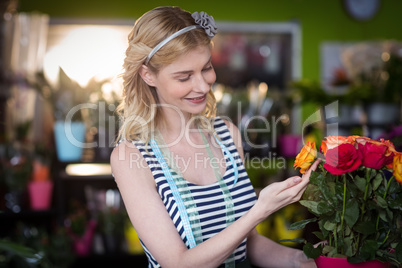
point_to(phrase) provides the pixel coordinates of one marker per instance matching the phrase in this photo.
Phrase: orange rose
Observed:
(334, 141)
(397, 166)
(306, 157)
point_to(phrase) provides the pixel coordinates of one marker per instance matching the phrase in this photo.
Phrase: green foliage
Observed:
(358, 215)
(309, 91)
(33, 248)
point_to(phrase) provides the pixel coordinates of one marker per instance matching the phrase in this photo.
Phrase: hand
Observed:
(280, 194)
(303, 262)
(309, 263)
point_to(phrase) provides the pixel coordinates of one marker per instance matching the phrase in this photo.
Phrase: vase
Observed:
(330, 262)
(40, 194)
(69, 140)
(290, 145)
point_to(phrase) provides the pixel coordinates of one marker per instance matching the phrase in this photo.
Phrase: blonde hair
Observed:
(138, 109)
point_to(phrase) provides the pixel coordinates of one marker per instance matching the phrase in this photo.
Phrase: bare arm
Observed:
(156, 229)
(262, 251)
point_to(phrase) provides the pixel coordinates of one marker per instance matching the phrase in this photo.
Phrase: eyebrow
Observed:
(191, 71)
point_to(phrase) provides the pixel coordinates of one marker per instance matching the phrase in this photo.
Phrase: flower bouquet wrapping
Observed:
(355, 195)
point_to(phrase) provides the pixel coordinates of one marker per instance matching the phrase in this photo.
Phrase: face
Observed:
(186, 82)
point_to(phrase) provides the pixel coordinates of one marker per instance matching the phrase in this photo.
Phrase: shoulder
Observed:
(234, 132)
(224, 122)
(128, 164)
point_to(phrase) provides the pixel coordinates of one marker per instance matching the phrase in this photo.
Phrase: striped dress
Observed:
(209, 199)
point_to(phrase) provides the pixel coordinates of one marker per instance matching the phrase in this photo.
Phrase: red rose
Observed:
(342, 159)
(376, 154)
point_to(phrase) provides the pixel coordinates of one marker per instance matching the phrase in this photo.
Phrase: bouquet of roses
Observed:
(355, 195)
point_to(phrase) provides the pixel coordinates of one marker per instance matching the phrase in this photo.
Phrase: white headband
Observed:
(202, 19)
(164, 42)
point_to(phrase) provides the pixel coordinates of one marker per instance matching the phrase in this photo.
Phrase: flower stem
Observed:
(336, 237)
(385, 239)
(385, 195)
(368, 171)
(343, 208)
(363, 207)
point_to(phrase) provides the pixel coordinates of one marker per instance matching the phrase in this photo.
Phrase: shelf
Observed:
(111, 260)
(27, 214)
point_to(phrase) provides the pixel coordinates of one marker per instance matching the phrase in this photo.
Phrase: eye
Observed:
(207, 68)
(184, 79)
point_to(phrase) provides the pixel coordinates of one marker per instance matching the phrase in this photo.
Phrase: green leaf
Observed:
(20, 250)
(390, 213)
(377, 181)
(311, 205)
(356, 259)
(312, 193)
(394, 187)
(329, 226)
(351, 213)
(347, 246)
(369, 248)
(339, 191)
(393, 204)
(398, 252)
(301, 224)
(381, 202)
(324, 208)
(321, 226)
(360, 183)
(327, 249)
(383, 215)
(312, 252)
(327, 193)
(315, 177)
(319, 235)
(365, 228)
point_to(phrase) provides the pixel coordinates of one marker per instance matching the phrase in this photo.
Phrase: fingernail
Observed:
(297, 179)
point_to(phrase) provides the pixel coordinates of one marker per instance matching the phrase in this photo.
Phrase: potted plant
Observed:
(77, 109)
(355, 195)
(40, 187)
(81, 228)
(103, 121)
(111, 226)
(66, 99)
(375, 71)
(16, 167)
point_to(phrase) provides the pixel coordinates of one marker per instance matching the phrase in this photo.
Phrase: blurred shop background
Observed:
(288, 72)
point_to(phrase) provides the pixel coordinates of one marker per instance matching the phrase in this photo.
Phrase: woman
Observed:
(179, 168)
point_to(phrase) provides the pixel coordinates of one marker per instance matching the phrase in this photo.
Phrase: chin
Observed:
(195, 110)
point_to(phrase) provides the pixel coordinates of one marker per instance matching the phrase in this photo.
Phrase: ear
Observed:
(147, 75)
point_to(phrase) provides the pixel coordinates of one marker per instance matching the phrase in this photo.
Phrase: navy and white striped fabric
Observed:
(208, 198)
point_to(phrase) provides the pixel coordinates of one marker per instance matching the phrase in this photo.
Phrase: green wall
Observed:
(320, 20)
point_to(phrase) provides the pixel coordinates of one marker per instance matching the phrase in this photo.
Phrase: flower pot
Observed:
(40, 194)
(329, 262)
(290, 145)
(69, 140)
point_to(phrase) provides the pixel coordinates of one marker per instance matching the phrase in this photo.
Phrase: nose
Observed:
(204, 82)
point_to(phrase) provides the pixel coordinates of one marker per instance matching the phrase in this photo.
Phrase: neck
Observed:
(176, 125)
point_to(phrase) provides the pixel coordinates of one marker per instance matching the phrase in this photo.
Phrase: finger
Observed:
(292, 181)
(313, 167)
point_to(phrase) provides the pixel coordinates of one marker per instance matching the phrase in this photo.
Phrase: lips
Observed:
(197, 99)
